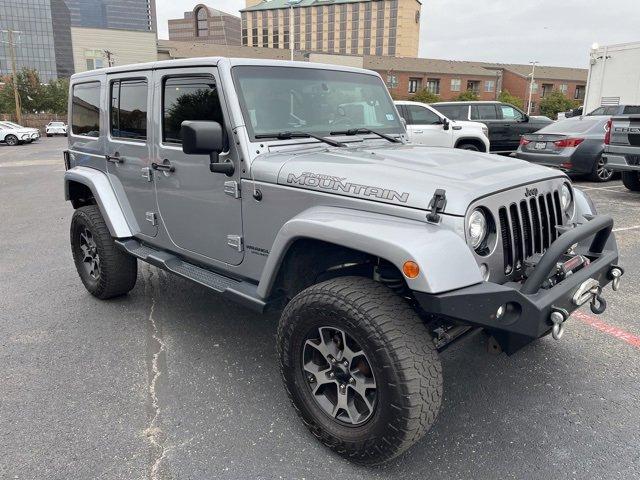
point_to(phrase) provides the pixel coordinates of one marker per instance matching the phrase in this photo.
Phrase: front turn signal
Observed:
(410, 269)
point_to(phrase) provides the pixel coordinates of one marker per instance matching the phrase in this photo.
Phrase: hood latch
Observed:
(437, 204)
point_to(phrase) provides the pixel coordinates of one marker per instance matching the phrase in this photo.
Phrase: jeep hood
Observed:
(405, 175)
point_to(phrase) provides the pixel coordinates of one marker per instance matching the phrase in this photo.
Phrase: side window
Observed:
(483, 112)
(85, 109)
(454, 112)
(632, 110)
(510, 113)
(598, 111)
(188, 98)
(611, 110)
(129, 109)
(421, 116)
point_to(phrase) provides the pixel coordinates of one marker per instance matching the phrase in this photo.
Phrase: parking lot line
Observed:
(604, 327)
(624, 229)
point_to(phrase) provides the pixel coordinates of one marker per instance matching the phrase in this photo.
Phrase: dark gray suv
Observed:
(506, 123)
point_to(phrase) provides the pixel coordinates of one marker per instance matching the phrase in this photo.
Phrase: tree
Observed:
(425, 96)
(506, 97)
(34, 95)
(555, 103)
(467, 96)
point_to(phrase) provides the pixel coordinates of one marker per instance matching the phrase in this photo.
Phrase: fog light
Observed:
(500, 312)
(411, 269)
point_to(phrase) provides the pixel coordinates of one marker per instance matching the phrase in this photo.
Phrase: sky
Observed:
(552, 32)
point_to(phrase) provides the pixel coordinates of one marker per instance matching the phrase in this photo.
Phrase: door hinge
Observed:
(235, 241)
(151, 218)
(232, 188)
(146, 173)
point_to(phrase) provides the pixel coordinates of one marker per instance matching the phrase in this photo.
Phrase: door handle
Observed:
(418, 131)
(164, 167)
(115, 158)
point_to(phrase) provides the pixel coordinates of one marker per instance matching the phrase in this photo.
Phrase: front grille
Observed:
(528, 228)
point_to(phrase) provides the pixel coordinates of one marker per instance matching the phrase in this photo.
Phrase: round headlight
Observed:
(477, 229)
(565, 197)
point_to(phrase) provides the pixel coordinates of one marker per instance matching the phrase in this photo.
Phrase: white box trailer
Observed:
(614, 76)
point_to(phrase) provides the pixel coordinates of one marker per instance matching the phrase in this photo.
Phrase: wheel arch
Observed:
(471, 140)
(445, 261)
(86, 186)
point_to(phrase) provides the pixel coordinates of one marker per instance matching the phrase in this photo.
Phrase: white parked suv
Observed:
(56, 128)
(427, 126)
(14, 134)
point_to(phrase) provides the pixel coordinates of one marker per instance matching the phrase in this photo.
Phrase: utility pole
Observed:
(533, 74)
(14, 68)
(109, 55)
(291, 24)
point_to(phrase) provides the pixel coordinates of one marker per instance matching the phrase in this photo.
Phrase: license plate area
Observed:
(540, 145)
(633, 159)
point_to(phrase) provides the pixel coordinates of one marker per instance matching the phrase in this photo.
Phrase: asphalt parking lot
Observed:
(78, 398)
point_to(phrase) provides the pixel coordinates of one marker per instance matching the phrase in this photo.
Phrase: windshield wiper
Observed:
(290, 135)
(360, 131)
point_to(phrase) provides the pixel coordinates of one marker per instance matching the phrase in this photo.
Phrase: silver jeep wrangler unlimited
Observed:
(292, 186)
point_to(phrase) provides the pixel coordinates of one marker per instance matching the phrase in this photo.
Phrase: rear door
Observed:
(425, 127)
(200, 210)
(516, 124)
(488, 114)
(128, 149)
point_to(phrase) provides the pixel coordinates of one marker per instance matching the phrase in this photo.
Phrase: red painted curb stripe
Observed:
(616, 332)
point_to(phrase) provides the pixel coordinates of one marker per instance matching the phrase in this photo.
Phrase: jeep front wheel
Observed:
(360, 368)
(105, 271)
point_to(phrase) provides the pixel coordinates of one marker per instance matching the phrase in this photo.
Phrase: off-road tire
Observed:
(631, 180)
(468, 146)
(118, 270)
(402, 357)
(11, 140)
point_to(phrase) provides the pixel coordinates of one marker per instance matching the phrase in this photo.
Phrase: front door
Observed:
(426, 128)
(199, 209)
(517, 123)
(129, 147)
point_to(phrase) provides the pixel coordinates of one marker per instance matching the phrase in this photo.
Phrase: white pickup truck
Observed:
(427, 126)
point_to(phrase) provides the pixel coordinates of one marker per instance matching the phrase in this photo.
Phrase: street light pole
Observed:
(533, 73)
(12, 54)
(291, 24)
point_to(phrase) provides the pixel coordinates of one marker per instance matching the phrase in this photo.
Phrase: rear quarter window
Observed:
(454, 112)
(85, 109)
(632, 110)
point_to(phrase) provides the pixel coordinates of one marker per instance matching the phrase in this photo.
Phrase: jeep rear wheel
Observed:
(631, 180)
(11, 140)
(105, 271)
(360, 368)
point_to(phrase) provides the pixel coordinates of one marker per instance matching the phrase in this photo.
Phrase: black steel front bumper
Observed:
(528, 306)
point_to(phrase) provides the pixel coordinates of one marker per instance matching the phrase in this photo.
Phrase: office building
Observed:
(138, 15)
(206, 25)
(44, 39)
(352, 27)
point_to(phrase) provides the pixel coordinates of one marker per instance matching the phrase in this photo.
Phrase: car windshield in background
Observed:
(573, 125)
(277, 99)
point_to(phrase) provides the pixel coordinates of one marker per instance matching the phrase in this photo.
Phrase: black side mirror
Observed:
(525, 118)
(206, 138)
(445, 123)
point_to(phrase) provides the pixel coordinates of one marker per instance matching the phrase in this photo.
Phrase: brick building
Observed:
(206, 25)
(570, 81)
(406, 76)
(348, 27)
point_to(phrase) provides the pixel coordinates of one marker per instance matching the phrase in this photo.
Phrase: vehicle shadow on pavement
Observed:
(223, 376)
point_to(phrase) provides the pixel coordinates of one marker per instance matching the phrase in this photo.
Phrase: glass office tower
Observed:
(44, 41)
(118, 14)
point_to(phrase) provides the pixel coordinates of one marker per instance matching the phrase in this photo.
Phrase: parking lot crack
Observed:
(154, 432)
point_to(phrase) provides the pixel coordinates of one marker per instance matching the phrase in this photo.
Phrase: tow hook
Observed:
(615, 274)
(590, 291)
(558, 317)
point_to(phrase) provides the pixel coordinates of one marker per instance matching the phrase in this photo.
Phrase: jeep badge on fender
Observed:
(293, 187)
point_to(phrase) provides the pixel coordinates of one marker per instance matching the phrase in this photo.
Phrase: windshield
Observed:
(290, 99)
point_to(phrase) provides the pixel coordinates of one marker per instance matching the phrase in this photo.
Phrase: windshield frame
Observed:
(400, 131)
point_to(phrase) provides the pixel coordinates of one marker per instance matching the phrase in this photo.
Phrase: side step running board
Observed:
(239, 291)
